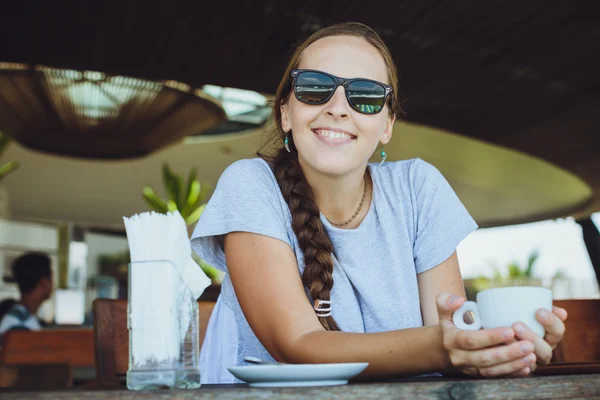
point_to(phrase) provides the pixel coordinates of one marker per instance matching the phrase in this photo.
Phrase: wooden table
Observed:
(538, 387)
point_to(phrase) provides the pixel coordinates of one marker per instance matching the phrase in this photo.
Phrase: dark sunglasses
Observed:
(364, 95)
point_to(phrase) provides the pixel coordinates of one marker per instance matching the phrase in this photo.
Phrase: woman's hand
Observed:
(484, 352)
(553, 323)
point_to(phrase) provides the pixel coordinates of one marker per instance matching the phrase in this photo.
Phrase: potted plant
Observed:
(5, 169)
(186, 198)
(9, 166)
(520, 275)
(514, 275)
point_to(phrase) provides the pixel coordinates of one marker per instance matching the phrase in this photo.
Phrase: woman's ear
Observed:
(285, 117)
(389, 129)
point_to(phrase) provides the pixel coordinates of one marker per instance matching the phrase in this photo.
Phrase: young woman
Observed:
(331, 259)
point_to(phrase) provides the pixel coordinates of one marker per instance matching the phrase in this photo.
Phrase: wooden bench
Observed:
(581, 342)
(36, 377)
(74, 347)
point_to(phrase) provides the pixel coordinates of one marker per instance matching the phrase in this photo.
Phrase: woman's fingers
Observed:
(509, 368)
(521, 373)
(560, 313)
(553, 324)
(543, 350)
(498, 355)
(475, 340)
(555, 329)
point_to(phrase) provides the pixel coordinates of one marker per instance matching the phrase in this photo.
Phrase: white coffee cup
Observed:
(502, 307)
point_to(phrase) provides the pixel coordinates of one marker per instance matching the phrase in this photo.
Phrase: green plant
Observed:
(513, 274)
(9, 166)
(516, 271)
(214, 274)
(188, 199)
(561, 274)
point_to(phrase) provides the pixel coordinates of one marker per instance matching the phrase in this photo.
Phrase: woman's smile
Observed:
(334, 136)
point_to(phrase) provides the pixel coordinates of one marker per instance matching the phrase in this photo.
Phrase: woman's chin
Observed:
(332, 165)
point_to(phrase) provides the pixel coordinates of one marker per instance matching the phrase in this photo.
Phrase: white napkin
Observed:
(159, 303)
(153, 236)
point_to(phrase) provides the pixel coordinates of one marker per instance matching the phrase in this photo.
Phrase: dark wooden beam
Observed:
(591, 237)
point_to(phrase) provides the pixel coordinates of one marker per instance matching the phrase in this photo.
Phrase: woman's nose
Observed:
(338, 106)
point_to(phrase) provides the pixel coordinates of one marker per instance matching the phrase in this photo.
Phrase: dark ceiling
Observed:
(522, 74)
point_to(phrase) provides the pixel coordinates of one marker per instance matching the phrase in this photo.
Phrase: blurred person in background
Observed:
(33, 274)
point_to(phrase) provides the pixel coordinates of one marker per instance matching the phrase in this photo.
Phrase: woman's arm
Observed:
(445, 278)
(265, 277)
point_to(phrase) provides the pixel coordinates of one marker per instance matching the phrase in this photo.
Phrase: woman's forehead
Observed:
(346, 57)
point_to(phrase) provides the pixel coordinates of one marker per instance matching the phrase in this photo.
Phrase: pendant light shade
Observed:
(89, 114)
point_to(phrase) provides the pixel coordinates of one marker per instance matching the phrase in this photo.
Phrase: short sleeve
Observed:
(246, 199)
(442, 221)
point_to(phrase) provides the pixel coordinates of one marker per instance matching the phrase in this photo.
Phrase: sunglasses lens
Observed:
(313, 87)
(366, 97)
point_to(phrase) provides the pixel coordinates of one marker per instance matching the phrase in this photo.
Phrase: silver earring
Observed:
(286, 143)
(383, 156)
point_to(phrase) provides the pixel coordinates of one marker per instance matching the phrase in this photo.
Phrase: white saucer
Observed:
(295, 375)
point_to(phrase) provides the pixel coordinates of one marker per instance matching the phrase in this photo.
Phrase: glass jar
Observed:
(162, 319)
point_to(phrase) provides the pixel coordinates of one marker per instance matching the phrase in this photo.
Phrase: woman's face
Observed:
(317, 128)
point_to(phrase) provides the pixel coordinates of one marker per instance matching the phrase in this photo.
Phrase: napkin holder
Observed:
(163, 323)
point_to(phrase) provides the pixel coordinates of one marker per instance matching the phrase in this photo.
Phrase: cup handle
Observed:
(458, 317)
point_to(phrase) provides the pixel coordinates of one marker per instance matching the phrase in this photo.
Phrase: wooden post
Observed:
(591, 237)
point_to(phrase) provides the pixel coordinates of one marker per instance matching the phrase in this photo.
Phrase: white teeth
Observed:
(334, 135)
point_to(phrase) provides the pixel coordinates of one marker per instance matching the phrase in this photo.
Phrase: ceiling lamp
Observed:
(89, 114)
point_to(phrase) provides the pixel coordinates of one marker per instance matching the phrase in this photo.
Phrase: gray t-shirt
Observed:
(414, 223)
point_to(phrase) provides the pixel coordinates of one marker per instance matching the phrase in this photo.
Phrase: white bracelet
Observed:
(320, 308)
(324, 315)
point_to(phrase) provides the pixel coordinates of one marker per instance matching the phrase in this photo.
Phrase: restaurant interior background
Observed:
(501, 97)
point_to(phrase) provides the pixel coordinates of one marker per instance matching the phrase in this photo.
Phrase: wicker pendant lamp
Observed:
(89, 114)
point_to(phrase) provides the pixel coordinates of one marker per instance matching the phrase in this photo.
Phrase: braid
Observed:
(306, 223)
